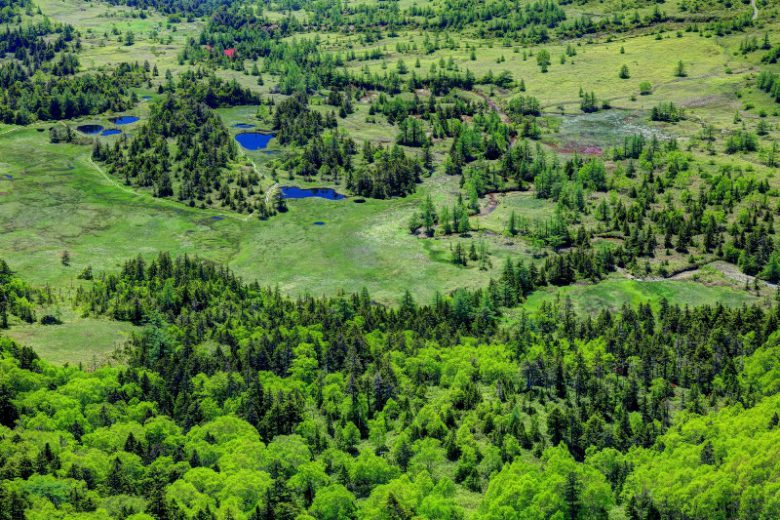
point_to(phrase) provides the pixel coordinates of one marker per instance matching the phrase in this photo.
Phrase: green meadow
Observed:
(612, 294)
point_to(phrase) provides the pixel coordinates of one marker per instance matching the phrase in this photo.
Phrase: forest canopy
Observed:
(238, 402)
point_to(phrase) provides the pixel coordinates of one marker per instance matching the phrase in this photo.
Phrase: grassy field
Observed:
(88, 341)
(613, 293)
(104, 28)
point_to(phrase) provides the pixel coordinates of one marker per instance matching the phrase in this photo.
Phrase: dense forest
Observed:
(239, 402)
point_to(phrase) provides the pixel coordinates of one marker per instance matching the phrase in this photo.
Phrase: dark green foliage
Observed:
(38, 98)
(741, 141)
(770, 83)
(392, 173)
(295, 123)
(666, 111)
(523, 106)
(589, 103)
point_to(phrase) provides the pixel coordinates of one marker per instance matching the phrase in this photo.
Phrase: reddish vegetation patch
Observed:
(572, 149)
(592, 150)
(230, 53)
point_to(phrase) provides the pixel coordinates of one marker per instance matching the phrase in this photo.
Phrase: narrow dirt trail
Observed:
(755, 9)
(494, 107)
(490, 207)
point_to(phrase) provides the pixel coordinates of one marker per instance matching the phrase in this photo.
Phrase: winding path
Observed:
(755, 9)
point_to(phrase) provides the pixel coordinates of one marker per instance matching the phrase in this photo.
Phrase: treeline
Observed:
(10, 10)
(17, 298)
(769, 82)
(388, 173)
(33, 45)
(300, 64)
(205, 87)
(176, 7)
(434, 109)
(26, 99)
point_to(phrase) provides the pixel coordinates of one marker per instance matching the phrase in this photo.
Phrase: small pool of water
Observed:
(89, 129)
(147, 98)
(217, 217)
(8, 177)
(319, 223)
(111, 131)
(294, 192)
(243, 125)
(254, 140)
(124, 120)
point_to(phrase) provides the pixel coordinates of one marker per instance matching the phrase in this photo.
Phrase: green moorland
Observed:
(547, 287)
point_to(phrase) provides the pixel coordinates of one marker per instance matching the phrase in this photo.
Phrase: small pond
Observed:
(124, 120)
(319, 223)
(294, 192)
(254, 140)
(147, 98)
(90, 129)
(111, 131)
(243, 125)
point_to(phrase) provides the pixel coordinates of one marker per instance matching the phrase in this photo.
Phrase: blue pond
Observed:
(254, 140)
(294, 192)
(8, 177)
(147, 98)
(89, 129)
(124, 120)
(217, 217)
(243, 125)
(111, 131)
(319, 223)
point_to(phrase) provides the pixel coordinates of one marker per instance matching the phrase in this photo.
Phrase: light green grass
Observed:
(612, 294)
(89, 341)
(525, 205)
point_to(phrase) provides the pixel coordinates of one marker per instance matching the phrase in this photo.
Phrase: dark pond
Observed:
(124, 120)
(254, 140)
(243, 125)
(147, 98)
(359, 201)
(217, 217)
(8, 176)
(319, 223)
(89, 129)
(111, 131)
(294, 192)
